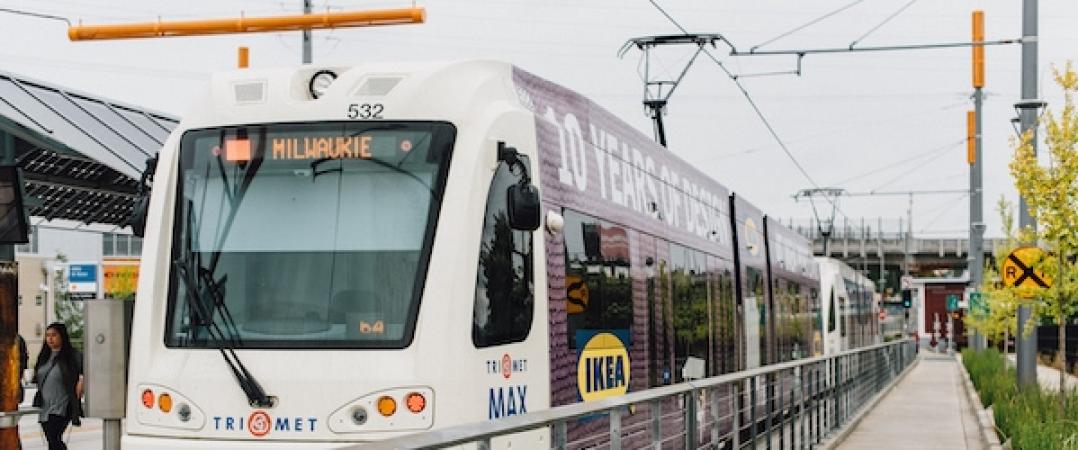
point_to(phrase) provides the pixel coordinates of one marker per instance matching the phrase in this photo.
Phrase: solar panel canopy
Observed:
(81, 155)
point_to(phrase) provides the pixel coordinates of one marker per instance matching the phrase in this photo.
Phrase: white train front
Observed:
(337, 255)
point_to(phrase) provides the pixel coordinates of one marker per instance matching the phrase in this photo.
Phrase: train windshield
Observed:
(304, 235)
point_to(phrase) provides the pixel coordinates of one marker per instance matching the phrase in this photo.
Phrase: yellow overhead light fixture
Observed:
(248, 24)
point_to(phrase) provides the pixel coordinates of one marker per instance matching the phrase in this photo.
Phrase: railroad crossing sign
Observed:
(1019, 270)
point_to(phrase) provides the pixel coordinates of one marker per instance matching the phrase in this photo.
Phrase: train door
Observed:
(751, 285)
(507, 332)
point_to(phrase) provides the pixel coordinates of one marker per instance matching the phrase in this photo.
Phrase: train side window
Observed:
(691, 313)
(831, 312)
(504, 300)
(598, 285)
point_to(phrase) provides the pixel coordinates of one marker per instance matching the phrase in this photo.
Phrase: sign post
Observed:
(1020, 270)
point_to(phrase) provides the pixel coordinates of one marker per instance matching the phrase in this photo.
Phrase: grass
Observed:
(1030, 417)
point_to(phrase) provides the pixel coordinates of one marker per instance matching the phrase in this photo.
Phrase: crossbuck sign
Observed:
(1020, 270)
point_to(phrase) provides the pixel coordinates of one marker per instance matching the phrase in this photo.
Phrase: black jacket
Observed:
(24, 360)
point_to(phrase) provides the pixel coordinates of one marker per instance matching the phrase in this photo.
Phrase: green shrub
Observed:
(1030, 416)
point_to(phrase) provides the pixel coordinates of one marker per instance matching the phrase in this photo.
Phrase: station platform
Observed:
(927, 409)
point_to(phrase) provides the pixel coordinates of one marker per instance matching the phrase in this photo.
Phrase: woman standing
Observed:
(58, 374)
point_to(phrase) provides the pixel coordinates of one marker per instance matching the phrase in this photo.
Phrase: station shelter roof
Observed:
(81, 155)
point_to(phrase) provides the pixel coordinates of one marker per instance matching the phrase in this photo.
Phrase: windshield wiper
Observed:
(256, 396)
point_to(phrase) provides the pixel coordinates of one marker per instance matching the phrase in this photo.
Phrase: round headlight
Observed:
(184, 412)
(320, 81)
(359, 415)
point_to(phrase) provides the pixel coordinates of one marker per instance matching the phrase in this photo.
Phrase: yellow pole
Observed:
(244, 57)
(248, 24)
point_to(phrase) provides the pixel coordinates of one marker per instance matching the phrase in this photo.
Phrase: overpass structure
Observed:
(877, 246)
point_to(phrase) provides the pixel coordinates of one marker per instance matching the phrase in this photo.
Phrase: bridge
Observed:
(872, 244)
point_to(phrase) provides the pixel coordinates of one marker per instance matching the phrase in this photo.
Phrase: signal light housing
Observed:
(907, 298)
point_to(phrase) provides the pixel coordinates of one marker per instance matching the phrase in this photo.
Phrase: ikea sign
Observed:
(603, 368)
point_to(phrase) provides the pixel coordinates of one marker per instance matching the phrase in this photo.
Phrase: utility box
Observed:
(107, 334)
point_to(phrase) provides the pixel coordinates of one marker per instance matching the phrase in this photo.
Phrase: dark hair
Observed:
(67, 352)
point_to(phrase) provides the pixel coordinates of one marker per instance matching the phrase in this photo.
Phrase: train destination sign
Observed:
(314, 147)
(1019, 270)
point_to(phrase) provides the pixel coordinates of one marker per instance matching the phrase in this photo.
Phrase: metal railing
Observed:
(792, 405)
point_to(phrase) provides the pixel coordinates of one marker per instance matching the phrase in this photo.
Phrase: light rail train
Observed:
(344, 254)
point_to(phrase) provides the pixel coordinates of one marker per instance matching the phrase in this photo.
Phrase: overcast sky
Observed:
(887, 121)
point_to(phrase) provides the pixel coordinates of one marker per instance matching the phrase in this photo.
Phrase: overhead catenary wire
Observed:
(892, 165)
(942, 209)
(34, 14)
(881, 24)
(810, 23)
(837, 130)
(907, 172)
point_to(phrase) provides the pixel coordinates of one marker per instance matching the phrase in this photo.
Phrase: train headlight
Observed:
(184, 412)
(359, 415)
(405, 408)
(320, 81)
(164, 407)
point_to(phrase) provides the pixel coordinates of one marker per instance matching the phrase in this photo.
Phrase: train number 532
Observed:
(365, 111)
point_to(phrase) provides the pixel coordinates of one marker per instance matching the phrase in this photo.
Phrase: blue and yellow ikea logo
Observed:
(603, 368)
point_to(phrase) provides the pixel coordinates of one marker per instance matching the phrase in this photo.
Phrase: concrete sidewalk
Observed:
(928, 409)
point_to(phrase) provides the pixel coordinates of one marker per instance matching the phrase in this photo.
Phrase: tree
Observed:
(68, 311)
(1052, 195)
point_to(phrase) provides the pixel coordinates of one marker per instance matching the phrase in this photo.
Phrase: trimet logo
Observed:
(259, 423)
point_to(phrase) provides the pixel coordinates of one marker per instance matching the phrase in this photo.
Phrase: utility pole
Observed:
(973, 156)
(306, 34)
(907, 259)
(1027, 339)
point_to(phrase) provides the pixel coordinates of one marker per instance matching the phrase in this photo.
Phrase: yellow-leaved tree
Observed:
(1051, 193)
(1000, 323)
